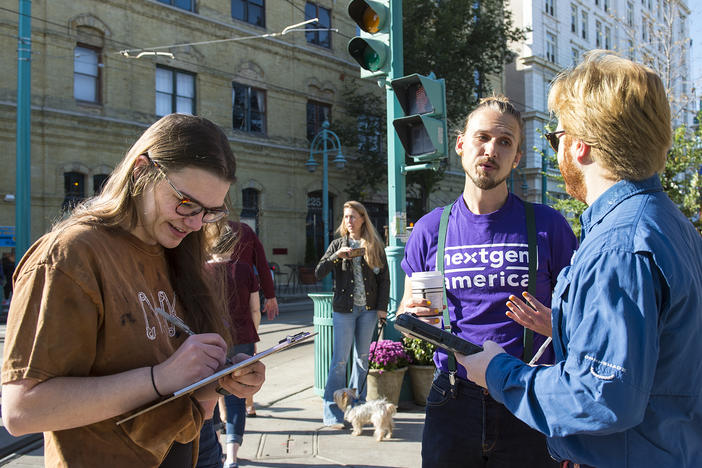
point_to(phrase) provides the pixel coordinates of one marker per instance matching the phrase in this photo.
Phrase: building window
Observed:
(597, 2)
(630, 14)
(551, 47)
(573, 19)
(99, 181)
(182, 4)
(249, 208)
(74, 188)
(605, 5)
(321, 38)
(251, 11)
(87, 62)
(631, 53)
(369, 138)
(248, 108)
(598, 34)
(549, 7)
(175, 91)
(583, 23)
(608, 38)
(644, 30)
(317, 113)
(575, 53)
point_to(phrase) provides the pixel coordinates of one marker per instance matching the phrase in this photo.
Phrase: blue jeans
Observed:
(474, 430)
(355, 328)
(209, 454)
(236, 407)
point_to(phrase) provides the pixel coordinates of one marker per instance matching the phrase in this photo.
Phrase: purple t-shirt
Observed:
(486, 259)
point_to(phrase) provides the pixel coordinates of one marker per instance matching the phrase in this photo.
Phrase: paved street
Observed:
(287, 431)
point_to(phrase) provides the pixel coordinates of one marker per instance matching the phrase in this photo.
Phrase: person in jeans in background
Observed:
(361, 295)
(626, 389)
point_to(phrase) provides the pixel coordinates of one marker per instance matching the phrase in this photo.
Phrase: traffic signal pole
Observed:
(24, 120)
(397, 201)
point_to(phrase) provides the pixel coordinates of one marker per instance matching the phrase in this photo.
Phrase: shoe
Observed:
(338, 425)
(250, 414)
(231, 465)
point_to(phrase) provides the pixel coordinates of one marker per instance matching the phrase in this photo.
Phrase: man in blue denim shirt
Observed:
(626, 315)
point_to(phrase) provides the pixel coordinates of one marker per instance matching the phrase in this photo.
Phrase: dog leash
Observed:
(376, 334)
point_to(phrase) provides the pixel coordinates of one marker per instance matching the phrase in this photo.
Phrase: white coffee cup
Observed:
(429, 285)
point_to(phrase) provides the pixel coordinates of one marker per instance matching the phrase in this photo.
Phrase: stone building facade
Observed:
(93, 93)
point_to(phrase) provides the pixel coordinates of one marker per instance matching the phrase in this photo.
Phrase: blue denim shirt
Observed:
(627, 324)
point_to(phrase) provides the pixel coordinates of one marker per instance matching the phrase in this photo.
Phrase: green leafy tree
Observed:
(462, 42)
(681, 178)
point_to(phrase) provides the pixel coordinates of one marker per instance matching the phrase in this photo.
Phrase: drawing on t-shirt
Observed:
(503, 265)
(162, 301)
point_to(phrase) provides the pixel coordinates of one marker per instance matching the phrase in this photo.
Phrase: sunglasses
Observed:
(189, 207)
(554, 139)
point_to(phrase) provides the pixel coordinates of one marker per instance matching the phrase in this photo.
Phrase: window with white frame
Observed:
(644, 29)
(573, 18)
(631, 53)
(607, 38)
(630, 14)
(575, 55)
(598, 34)
(551, 47)
(87, 62)
(175, 91)
(317, 113)
(248, 108)
(548, 7)
(583, 24)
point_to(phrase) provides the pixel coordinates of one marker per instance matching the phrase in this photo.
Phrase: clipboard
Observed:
(285, 343)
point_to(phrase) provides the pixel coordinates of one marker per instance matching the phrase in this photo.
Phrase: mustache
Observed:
(488, 160)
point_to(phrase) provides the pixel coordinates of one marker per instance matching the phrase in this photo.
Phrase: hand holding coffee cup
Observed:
(427, 296)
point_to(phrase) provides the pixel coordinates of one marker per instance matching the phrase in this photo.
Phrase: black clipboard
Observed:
(283, 344)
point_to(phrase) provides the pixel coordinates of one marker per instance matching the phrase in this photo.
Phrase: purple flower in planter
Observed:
(387, 355)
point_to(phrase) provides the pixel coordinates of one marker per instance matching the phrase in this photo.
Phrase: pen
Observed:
(174, 320)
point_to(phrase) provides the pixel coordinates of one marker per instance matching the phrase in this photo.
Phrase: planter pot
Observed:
(306, 275)
(385, 385)
(421, 378)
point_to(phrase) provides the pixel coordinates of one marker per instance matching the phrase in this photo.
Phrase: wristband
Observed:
(153, 382)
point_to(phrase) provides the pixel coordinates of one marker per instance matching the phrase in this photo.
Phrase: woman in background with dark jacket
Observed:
(361, 292)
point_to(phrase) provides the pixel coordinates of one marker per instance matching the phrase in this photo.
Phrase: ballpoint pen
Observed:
(176, 321)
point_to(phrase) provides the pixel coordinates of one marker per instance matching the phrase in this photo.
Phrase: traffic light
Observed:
(372, 49)
(423, 131)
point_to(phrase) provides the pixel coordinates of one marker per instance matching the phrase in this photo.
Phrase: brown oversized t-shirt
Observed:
(85, 304)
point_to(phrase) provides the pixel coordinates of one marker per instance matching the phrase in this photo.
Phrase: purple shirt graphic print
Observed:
(486, 259)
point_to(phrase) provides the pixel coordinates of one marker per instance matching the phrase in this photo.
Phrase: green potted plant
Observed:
(386, 369)
(421, 371)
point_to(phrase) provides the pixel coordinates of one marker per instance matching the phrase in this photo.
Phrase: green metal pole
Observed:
(397, 204)
(23, 145)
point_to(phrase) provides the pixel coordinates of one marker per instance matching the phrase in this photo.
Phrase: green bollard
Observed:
(324, 341)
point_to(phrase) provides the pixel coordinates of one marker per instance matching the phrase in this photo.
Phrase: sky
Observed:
(695, 28)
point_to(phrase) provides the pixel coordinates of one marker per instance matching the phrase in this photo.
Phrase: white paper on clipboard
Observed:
(283, 344)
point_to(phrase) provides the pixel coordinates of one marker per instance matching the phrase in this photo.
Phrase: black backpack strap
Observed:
(531, 288)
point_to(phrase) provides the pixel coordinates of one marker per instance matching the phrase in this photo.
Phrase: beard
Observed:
(484, 181)
(573, 177)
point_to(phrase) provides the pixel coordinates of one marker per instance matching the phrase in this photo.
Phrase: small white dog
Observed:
(377, 412)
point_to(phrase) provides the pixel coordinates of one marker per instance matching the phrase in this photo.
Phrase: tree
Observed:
(462, 42)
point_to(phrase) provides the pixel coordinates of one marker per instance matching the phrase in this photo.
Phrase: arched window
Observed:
(74, 188)
(249, 207)
(99, 182)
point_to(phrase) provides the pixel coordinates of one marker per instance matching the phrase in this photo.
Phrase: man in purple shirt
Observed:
(486, 262)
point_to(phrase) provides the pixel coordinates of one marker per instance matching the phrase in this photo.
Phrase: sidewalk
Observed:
(288, 431)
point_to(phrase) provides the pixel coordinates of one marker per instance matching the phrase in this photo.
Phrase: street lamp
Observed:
(323, 142)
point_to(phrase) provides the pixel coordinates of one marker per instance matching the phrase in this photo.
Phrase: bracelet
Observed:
(153, 382)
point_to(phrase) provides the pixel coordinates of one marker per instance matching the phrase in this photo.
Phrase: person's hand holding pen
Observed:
(200, 356)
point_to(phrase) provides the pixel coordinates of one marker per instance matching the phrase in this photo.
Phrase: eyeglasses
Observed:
(554, 139)
(189, 207)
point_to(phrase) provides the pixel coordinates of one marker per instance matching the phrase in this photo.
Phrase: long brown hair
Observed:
(175, 142)
(375, 253)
